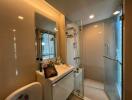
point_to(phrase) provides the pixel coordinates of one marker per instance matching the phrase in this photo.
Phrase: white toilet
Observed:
(31, 91)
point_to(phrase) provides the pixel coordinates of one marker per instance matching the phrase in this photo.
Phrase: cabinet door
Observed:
(63, 88)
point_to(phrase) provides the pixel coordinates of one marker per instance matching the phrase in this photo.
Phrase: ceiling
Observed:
(77, 10)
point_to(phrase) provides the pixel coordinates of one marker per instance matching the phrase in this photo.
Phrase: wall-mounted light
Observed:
(116, 12)
(20, 17)
(91, 16)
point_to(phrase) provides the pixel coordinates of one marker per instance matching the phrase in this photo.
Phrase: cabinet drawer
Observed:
(63, 88)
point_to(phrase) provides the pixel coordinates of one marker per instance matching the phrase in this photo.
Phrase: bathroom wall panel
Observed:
(92, 51)
(6, 60)
(19, 71)
(17, 67)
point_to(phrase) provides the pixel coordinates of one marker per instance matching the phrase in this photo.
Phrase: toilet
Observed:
(32, 91)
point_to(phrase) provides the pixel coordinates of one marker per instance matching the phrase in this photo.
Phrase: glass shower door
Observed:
(113, 59)
(79, 82)
(111, 68)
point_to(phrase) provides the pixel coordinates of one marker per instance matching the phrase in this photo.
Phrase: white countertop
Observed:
(62, 70)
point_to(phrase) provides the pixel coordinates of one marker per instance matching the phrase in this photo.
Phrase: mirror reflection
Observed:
(45, 37)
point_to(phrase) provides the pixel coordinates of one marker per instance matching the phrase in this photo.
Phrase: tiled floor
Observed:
(93, 90)
(73, 97)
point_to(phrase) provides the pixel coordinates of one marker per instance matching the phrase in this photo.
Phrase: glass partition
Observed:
(113, 63)
(73, 57)
(111, 79)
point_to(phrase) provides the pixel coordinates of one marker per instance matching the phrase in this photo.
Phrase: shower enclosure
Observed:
(113, 58)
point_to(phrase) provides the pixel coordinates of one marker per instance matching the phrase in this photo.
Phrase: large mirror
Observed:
(45, 37)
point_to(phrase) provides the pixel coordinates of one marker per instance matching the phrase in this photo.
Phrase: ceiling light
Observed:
(91, 16)
(116, 12)
(20, 17)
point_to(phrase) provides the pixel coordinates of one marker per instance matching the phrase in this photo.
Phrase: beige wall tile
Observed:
(15, 73)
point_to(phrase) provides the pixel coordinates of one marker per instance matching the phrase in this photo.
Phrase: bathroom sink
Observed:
(62, 70)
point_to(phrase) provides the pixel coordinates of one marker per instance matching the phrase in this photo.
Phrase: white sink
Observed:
(62, 71)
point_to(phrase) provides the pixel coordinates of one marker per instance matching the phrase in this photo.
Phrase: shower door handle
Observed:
(113, 59)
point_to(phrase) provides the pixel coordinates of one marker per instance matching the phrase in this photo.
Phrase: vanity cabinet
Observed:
(58, 87)
(61, 89)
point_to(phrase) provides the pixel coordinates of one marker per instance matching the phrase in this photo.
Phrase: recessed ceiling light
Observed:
(20, 17)
(91, 16)
(116, 12)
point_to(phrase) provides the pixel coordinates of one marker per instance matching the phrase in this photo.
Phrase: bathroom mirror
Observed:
(45, 37)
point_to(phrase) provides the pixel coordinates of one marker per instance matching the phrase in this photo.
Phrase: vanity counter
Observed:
(62, 70)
